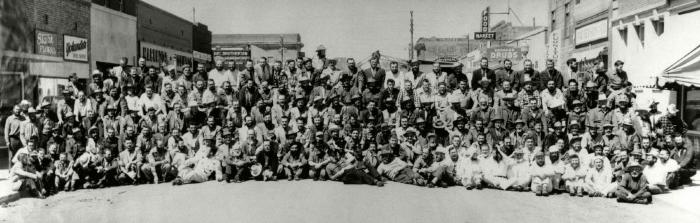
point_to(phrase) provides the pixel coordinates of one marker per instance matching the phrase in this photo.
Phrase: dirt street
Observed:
(308, 201)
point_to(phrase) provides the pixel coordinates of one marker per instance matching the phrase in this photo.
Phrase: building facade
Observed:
(201, 44)
(113, 33)
(44, 46)
(163, 36)
(240, 47)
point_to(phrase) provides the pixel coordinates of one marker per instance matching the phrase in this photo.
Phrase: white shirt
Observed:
(657, 173)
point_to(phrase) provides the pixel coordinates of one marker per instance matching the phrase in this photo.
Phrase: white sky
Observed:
(353, 28)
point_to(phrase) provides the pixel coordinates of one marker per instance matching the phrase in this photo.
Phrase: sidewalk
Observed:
(6, 195)
(685, 198)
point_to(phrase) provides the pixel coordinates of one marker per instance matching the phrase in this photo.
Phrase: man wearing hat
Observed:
(577, 112)
(97, 82)
(630, 139)
(519, 175)
(633, 188)
(574, 176)
(347, 89)
(597, 182)
(590, 95)
(436, 172)
(672, 123)
(483, 73)
(28, 128)
(527, 94)
(200, 170)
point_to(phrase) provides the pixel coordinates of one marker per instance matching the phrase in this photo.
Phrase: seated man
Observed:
(397, 170)
(294, 162)
(158, 166)
(107, 171)
(200, 170)
(519, 173)
(237, 165)
(267, 159)
(574, 176)
(598, 181)
(469, 171)
(436, 172)
(85, 168)
(541, 176)
(63, 173)
(348, 169)
(24, 177)
(660, 170)
(318, 158)
(633, 186)
(129, 163)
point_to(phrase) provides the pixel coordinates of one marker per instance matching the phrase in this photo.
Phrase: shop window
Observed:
(658, 26)
(691, 107)
(75, 26)
(46, 19)
(640, 33)
(182, 33)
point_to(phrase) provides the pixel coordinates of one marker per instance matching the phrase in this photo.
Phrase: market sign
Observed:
(45, 43)
(485, 20)
(75, 48)
(500, 53)
(484, 35)
(592, 32)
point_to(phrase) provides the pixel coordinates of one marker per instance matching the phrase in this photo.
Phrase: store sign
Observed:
(484, 35)
(238, 54)
(156, 54)
(504, 52)
(46, 43)
(554, 48)
(446, 59)
(75, 48)
(592, 32)
(485, 20)
(201, 56)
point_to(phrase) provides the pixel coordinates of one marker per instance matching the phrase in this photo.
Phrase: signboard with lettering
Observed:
(46, 43)
(485, 20)
(592, 32)
(75, 48)
(238, 54)
(157, 54)
(201, 56)
(446, 59)
(484, 35)
(554, 48)
(500, 53)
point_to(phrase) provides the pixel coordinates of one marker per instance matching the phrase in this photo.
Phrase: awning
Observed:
(685, 71)
(588, 53)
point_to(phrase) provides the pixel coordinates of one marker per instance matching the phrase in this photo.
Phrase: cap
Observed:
(634, 165)
(45, 103)
(574, 123)
(519, 121)
(577, 102)
(208, 137)
(441, 149)
(69, 114)
(672, 109)
(96, 72)
(574, 140)
(653, 153)
(553, 148)
(627, 121)
(319, 133)
(31, 110)
(318, 98)
(539, 153)
(518, 151)
(385, 150)
(320, 47)
(558, 124)
(75, 130)
(410, 130)
(608, 125)
(602, 97)
(420, 120)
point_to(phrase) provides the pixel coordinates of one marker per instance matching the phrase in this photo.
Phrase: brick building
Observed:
(201, 44)
(239, 47)
(113, 33)
(163, 36)
(44, 47)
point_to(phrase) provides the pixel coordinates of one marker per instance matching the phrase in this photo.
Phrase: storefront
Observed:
(155, 55)
(201, 58)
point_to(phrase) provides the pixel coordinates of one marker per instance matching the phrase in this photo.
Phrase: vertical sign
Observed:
(554, 48)
(485, 20)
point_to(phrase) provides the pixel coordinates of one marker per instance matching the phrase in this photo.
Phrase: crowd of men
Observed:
(523, 130)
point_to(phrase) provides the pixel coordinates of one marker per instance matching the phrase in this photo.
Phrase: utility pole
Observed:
(282, 48)
(410, 50)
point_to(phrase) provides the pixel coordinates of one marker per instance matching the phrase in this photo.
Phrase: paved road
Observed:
(308, 201)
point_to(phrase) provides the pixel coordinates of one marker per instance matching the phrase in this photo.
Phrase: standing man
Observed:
(218, 74)
(552, 73)
(482, 72)
(13, 124)
(394, 74)
(375, 73)
(620, 73)
(320, 62)
(525, 75)
(672, 123)
(505, 74)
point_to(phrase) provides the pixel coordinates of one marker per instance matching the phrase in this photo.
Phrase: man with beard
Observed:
(508, 111)
(591, 137)
(483, 112)
(497, 132)
(97, 82)
(318, 158)
(237, 164)
(28, 129)
(158, 166)
(434, 77)
(279, 110)
(685, 157)
(528, 94)
(347, 90)
(151, 79)
(233, 75)
(552, 97)
(390, 113)
(397, 170)
(372, 93)
(526, 75)
(394, 75)
(506, 91)
(505, 74)
(600, 78)
(352, 74)
(622, 112)
(661, 171)
(518, 174)
(276, 74)
(437, 172)
(375, 74)
(541, 176)
(389, 92)
(414, 75)
(630, 139)
(294, 162)
(483, 73)
(249, 73)
(455, 77)
(633, 188)
(218, 74)
(201, 73)
(590, 96)
(574, 176)
(573, 93)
